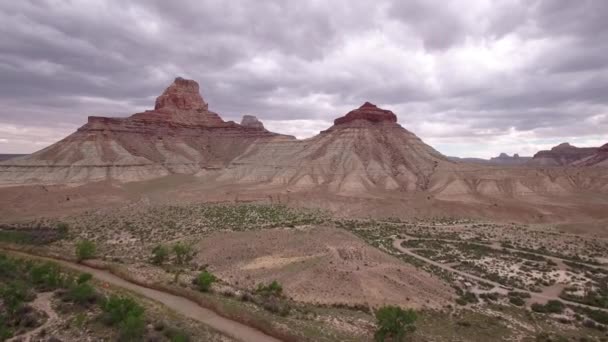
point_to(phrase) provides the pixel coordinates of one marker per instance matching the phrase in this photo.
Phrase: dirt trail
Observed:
(42, 303)
(535, 297)
(178, 304)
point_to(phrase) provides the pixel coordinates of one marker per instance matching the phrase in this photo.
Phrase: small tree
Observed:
(204, 281)
(183, 255)
(13, 295)
(394, 323)
(160, 254)
(85, 249)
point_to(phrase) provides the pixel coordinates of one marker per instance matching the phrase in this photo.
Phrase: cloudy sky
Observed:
(470, 77)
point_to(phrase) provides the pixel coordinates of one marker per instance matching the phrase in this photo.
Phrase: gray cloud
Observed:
(502, 69)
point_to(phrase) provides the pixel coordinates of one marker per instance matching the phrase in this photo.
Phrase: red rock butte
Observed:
(181, 95)
(369, 112)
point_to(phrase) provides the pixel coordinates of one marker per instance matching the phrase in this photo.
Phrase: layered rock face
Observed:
(599, 158)
(364, 151)
(367, 112)
(562, 155)
(179, 136)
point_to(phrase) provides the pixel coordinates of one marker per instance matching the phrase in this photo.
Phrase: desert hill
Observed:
(562, 155)
(180, 135)
(364, 150)
(181, 151)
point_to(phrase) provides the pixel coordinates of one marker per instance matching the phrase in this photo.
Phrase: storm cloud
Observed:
(470, 77)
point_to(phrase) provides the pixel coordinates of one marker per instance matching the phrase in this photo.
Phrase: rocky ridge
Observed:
(562, 155)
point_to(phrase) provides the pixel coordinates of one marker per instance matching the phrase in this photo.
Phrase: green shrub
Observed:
(81, 293)
(552, 306)
(46, 275)
(517, 301)
(204, 281)
(183, 253)
(467, 298)
(536, 307)
(491, 296)
(175, 335)
(13, 295)
(84, 277)
(519, 294)
(5, 330)
(272, 289)
(555, 306)
(132, 327)
(62, 230)
(160, 254)
(85, 249)
(116, 309)
(394, 323)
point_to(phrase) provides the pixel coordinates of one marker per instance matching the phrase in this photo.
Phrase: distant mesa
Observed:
(562, 155)
(503, 159)
(368, 112)
(251, 121)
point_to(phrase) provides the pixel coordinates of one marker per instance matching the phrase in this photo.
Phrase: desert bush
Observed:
(85, 249)
(5, 330)
(81, 293)
(116, 309)
(204, 281)
(517, 301)
(13, 295)
(62, 230)
(394, 323)
(176, 335)
(467, 298)
(519, 294)
(272, 289)
(183, 253)
(491, 296)
(84, 277)
(160, 254)
(132, 327)
(275, 305)
(552, 306)
(46, 276)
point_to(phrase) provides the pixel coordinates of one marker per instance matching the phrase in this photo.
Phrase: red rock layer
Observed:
(368, 112)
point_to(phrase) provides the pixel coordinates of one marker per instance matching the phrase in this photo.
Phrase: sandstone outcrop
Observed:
(251, 121)
(368, 112)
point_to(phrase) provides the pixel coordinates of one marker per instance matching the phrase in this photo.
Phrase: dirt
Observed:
(41, 303)
(320, 265)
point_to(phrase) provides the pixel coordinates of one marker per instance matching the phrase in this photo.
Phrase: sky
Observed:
(472, 78)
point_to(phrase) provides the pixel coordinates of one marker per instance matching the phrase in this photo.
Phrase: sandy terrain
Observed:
(320, 265)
